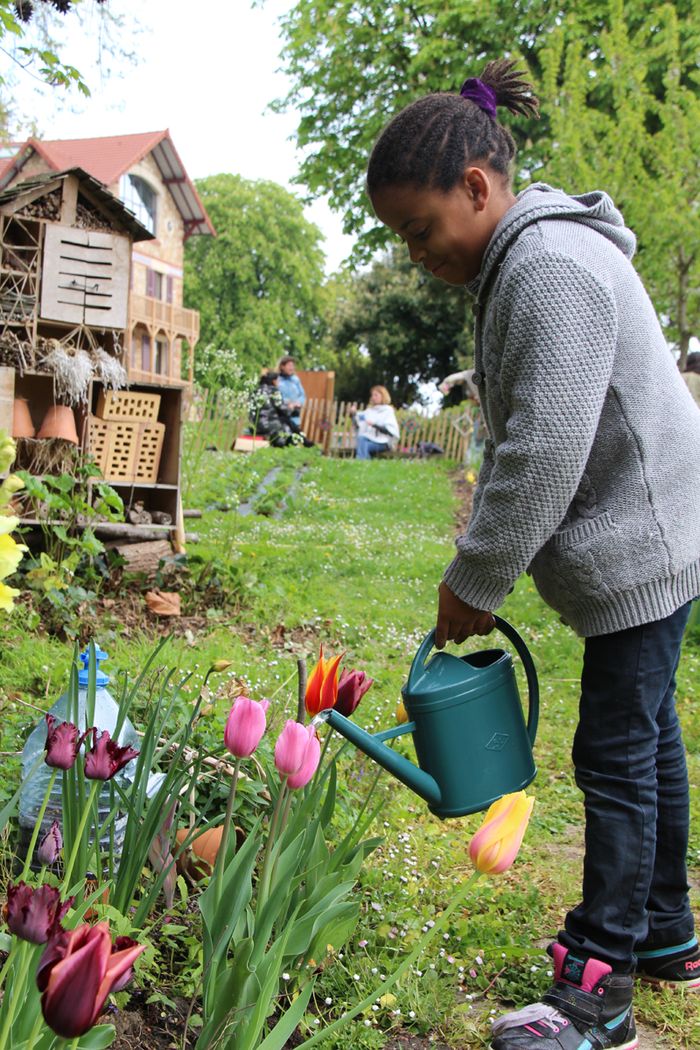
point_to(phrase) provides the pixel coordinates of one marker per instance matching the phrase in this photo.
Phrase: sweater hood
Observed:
(541, 202)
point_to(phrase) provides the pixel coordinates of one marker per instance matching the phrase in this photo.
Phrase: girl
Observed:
(377, 427)
(590, 483)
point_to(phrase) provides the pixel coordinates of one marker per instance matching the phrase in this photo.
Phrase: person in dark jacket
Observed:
(271, 419)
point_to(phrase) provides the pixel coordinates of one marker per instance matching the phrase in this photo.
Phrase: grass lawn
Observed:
(352, 560)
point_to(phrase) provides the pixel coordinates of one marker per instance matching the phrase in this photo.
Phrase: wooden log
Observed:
(144, 557)
(191, 513)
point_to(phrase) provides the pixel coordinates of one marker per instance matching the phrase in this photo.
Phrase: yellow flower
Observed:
(7, 597)
(7, 451)
(401, 714)
(495, 845)
(9, 487)
(10, 555)
(221, 665)
(8, 523)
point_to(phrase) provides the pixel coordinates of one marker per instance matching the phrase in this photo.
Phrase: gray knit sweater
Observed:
(591, 474)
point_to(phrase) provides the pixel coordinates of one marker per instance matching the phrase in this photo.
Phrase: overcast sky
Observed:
(207, 71)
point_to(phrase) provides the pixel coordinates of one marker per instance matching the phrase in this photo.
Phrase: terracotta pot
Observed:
(59, 422)
(22, 426)
(199, 858)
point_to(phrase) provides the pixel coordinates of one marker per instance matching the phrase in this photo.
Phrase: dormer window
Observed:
(140, 197)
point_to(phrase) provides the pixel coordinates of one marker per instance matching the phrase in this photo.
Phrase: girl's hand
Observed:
(352, 409)
(457, 621)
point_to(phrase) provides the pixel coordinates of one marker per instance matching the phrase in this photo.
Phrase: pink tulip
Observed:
(105, 757)
(290, 749)
(50, 846)
(62, 743)
(34, 914)
(245, 726)
(77, 971)
(351, 688)
(495, 845)
(309, 763)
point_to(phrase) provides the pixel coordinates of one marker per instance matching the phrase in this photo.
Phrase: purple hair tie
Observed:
(480, 93)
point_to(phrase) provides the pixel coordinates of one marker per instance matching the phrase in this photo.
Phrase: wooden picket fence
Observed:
(212, 424)
(329, 424)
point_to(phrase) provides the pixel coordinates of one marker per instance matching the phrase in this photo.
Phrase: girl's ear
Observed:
(478, 186)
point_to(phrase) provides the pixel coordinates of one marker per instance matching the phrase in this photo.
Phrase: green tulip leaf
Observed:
(277, 1038)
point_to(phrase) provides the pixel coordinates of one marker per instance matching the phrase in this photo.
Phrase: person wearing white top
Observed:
(377, 427)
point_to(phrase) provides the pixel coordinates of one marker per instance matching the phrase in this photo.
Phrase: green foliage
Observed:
(258, 283)
(412, 327)
(67, 574)
(627, 120)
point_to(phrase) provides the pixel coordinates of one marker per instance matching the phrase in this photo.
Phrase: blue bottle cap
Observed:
(101, 679)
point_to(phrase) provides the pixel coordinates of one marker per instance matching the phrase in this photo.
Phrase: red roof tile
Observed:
(104, 158)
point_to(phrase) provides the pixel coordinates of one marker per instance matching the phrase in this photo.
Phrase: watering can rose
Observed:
(78, 971)
(495, 845)
(322, 686)
(245, 726)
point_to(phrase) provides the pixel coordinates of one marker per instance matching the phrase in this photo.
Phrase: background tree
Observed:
(642, 146)
(619, 88)
(397, 326)
(259, 283)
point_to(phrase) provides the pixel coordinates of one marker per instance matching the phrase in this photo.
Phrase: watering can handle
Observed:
(533, 712)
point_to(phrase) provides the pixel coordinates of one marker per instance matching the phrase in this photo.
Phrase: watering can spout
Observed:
(372, 745)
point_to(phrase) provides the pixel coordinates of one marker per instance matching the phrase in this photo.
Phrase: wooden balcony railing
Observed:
(176, 321)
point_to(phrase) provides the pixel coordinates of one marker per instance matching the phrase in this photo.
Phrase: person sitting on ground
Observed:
(270, 418)
(377, 427)
(290, 387)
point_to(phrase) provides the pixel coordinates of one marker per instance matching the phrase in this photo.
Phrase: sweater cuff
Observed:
(484, 594)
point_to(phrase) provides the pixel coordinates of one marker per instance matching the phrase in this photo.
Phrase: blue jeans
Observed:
(630, 765)
(366, 448)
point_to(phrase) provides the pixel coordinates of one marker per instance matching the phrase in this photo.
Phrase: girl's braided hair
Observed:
(432, 140)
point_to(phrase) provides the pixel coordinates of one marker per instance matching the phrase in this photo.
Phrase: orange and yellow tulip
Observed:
(495, 845)
(322, 686)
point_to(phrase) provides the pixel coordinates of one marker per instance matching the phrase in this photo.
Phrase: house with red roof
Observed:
(146, 173)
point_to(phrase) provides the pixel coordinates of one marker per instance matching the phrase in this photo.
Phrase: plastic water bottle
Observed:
(36, 774)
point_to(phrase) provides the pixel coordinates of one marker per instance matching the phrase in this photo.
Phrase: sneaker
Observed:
(587, 1008)
(677, 966)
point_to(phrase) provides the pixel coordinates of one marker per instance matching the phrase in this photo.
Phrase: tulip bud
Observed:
(401, 713)
(245, 726)
(290, 749)
(78, 971)
(50, 847)
(309, 764)
(7, 451)
(105, 758)
(62, 743)
(351, 688)
(322, 686)
(495, 845)
(220, 665)
(34, 914)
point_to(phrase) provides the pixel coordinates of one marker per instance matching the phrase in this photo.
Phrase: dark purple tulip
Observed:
(62, 743)
(106, 757)
(351, 688)
(50, 846)
(34, 914)
(77, 972)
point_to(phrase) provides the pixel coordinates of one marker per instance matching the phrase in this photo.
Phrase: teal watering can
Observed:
(471, 739)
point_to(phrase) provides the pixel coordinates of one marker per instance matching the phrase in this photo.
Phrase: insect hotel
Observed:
(67, 340)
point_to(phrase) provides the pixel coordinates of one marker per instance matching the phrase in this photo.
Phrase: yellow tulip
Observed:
(401, 714)
(221, 665)
(8, 523)
(495, 845)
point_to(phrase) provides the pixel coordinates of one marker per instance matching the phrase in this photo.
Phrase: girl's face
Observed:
(447, 232)
(375, 397)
